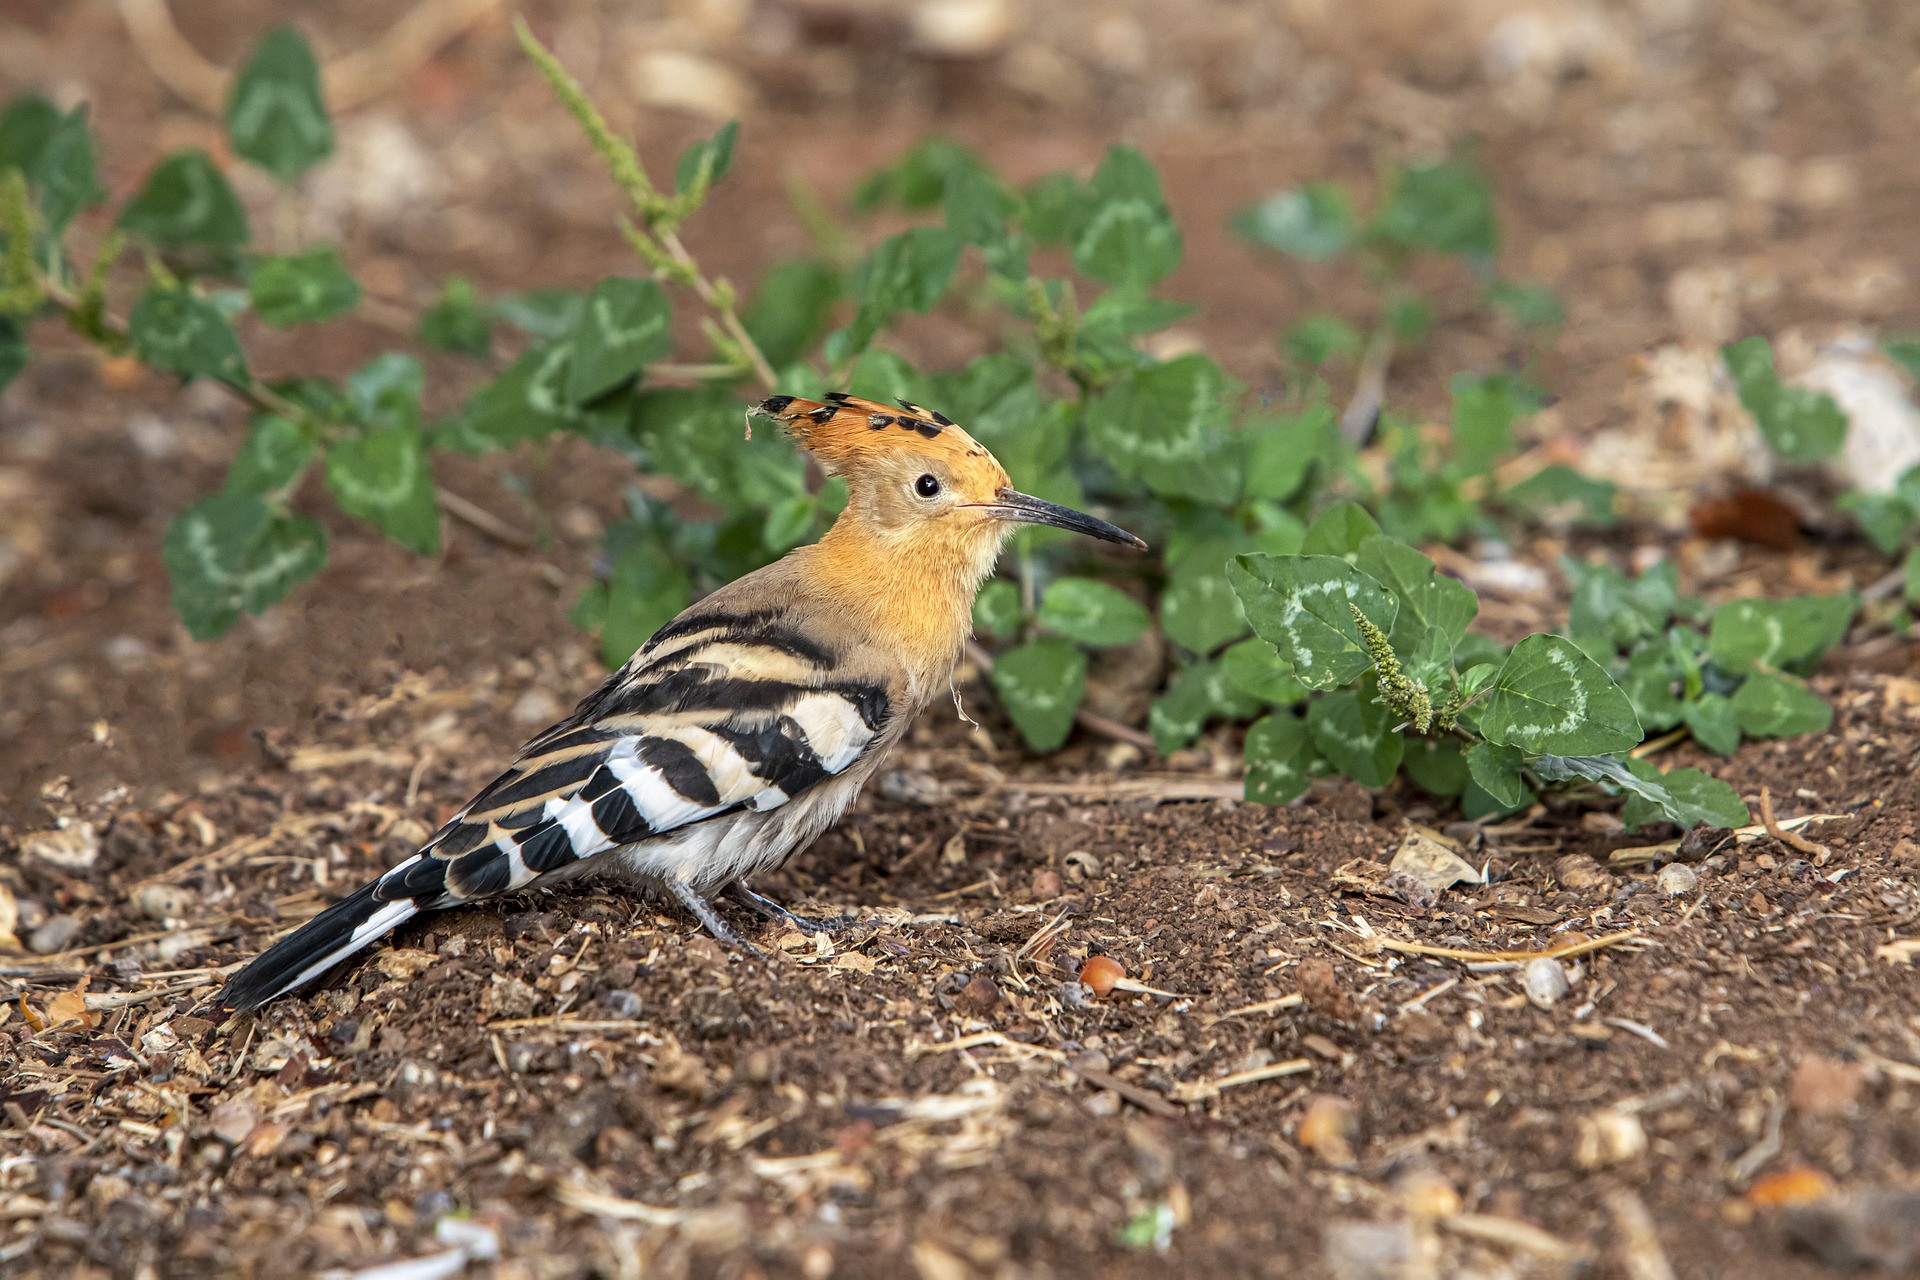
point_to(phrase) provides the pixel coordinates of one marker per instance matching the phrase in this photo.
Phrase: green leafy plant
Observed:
(1229, 486)
(1377, 647)
(1733, 672)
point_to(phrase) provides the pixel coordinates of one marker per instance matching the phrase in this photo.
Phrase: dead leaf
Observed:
(1795, 1185)
(854, 961)
(1433, 864)
(404, 963)
(69, 1007)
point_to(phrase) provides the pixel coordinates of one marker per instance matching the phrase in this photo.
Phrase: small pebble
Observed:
(1577, 871)
(163, 902)
(1678, 879)
(54, 935)
(1546, 982)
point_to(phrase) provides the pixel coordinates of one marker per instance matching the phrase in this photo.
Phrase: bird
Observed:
(743, 728)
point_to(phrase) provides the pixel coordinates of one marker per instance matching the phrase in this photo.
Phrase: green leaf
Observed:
(1610, 611)
(230, 554)
(996, 609)
(1910, 570)
(1255, 669)
(1790, 633)
(1200, 611)
(181, 332)
(1356, 735)
(1478, 804)
(1093, 613)
(1902, 348)
(790, 310)
(1041, 684)
(26, 127)
(55, 153)
(1443, 208)
(1129, 237)
(1119, 314)
(275, 115)
(1409, 317)
(1280, 759)
(1056, 204)
(1339, 531)
(907, 272)
(1314, 222)
(1437, 766)
(714, 156)
(458, 323)
(386, 390)
(1484, 411)
(1319, 338)
(1693, 798)
(274, 452)
(302, 288)
(382, 476)
(13, 350)
(1769, 705)
(1550, 697)
(1551, 768)
(1281, 451)
(1497, 770)
(1800, 425)
(187, 201)
(1167, 426)
(1887, 519)
(1300, 605)
(1531, 306)
(1176, 718)
(1435, 610)
(1714, 724)
(624, 325)
(1649, 684)
(645, 592)
(1558, 495)
(541, 314)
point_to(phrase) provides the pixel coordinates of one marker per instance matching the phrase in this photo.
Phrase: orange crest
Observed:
(844, 431)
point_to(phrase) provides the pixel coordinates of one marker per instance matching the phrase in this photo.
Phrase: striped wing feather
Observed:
(716, 714)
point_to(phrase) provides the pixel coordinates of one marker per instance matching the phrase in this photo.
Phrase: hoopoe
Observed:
(743, 728)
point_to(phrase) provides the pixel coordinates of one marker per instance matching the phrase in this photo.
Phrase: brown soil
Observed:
(607, 1092)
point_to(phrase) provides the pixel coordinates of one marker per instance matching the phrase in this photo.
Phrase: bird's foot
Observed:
(710, 920)
(774, 911)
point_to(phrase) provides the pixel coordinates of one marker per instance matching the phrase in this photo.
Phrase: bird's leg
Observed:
(710, 920)
(774, 911)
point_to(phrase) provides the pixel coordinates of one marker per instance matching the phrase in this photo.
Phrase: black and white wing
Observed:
(718, 713)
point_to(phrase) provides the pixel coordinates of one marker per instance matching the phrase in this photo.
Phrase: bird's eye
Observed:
(926, 487)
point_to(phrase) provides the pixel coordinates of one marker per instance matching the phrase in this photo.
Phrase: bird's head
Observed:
(912, 474)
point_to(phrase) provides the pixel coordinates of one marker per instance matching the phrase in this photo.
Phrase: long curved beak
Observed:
(1023, 508)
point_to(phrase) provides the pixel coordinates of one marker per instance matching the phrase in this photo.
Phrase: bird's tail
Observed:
(334, 934)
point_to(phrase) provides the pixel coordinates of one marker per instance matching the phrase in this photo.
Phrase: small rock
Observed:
(535, 707)
(1601, 823)
(1329, 1129)
(979, 995)
(513, 998)
(1577, 871)
(1677, 879)
(688, 82)
(1432, 863)
(1879, 1227)
(1546, 982)
(1825, 1086)
(1319, 1044)
(163, 902)
(912, 787)
(1368, 1250)
(1609, 1137)
(1425, 1193)
(1046, 886)
(1323, 990)
(962, 28)
(53, 936)
(1081, 866)
(621, 1004)
(233, 1120)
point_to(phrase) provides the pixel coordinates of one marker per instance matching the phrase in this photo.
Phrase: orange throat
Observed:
(916, 591)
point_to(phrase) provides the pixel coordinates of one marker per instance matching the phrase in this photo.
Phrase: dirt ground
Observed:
(580, 1084)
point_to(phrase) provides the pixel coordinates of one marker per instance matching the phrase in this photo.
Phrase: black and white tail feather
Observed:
(677, 769)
